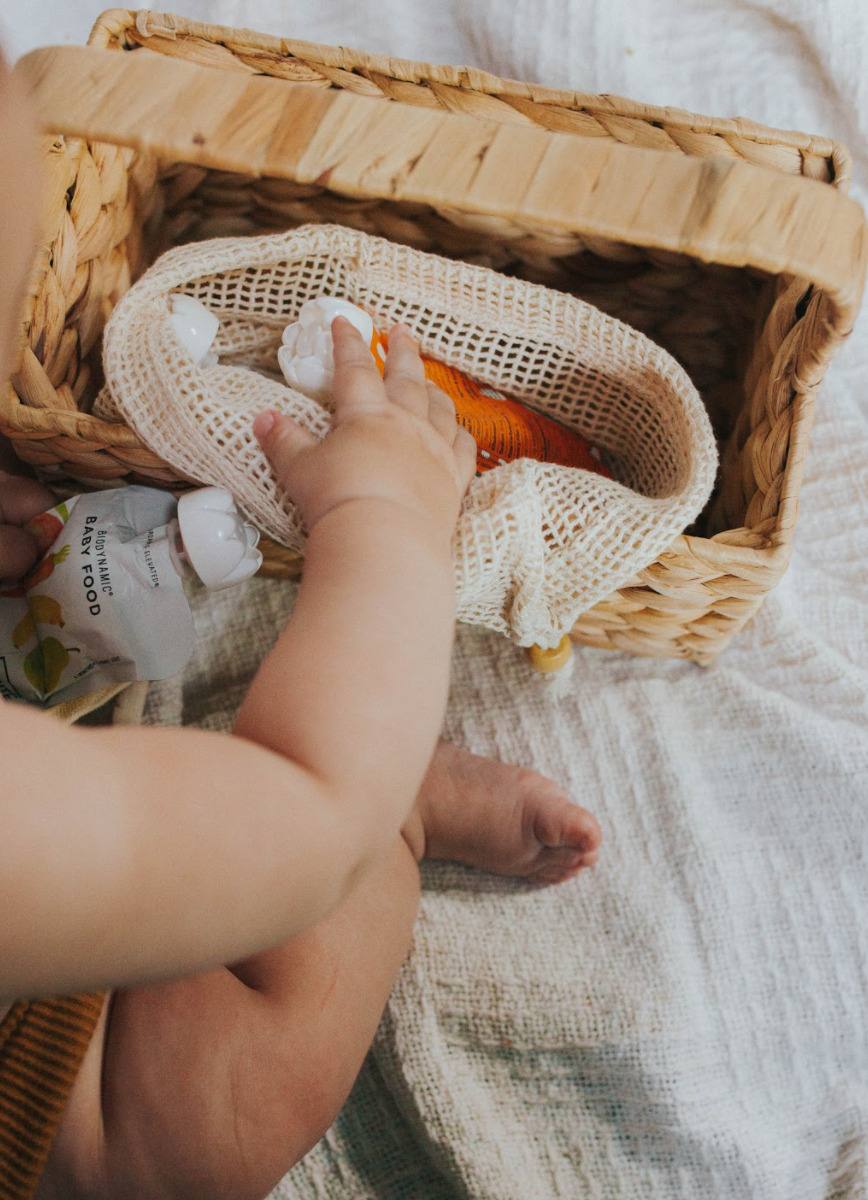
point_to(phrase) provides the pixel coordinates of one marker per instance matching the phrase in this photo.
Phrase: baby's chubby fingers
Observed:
(18, 552)
(282, 440)
(464, 449)
(358, 387)
(441, 412)
(404, 374)
(20, 499)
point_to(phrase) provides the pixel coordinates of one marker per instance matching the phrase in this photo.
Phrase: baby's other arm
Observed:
(139, 854)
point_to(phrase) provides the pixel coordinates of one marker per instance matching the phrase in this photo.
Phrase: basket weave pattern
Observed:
(755, 345)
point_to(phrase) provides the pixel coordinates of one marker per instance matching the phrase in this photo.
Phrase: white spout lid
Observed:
(219, 545)
(306, 355)
(195, 325)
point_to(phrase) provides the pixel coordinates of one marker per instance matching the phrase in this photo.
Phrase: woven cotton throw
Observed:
(536, 544)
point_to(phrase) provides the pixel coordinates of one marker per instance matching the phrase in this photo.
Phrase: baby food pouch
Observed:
(106, 602)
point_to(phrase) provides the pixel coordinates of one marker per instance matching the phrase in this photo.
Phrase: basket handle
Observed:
(713, 209)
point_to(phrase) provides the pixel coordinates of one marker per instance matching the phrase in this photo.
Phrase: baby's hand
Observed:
(20, 499)
(394, 439)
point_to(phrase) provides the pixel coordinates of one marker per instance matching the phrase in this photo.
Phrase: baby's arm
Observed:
(138, 854)
(365, 657)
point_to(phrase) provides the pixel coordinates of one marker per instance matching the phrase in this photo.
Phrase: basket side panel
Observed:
(98, 200)
(762, 460)
(690, 603)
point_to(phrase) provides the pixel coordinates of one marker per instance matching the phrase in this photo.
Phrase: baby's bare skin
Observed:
(500, 818)
(213, 1087)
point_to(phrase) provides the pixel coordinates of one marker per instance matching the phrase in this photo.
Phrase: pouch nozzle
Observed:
(306, 355)
(218, 543)
(195, 325)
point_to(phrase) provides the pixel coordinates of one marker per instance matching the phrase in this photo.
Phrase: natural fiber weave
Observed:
(536, 544)
(478, 93)
(751, 279)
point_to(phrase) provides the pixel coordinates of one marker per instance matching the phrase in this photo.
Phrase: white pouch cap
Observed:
(306, 355)
(219, 544)
(195, 325)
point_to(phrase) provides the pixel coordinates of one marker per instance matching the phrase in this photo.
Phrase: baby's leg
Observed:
(502, 819)
(215, 1086)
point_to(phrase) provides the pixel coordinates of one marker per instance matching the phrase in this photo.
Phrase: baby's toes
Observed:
(558, 863)
(558, 823)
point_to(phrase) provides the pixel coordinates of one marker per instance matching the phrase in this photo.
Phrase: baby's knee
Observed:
(239, 1172)
(279, 1111)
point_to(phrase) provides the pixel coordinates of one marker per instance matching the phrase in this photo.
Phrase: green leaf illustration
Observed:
(45, 664)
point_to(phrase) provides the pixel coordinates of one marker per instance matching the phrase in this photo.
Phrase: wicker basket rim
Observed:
(114, 23)
(801, 227)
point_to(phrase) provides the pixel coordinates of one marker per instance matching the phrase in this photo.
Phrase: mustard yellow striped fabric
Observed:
(42, 1043)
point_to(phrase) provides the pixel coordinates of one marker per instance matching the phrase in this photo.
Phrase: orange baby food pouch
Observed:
(504, 429)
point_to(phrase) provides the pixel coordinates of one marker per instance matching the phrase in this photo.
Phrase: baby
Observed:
(147, 859)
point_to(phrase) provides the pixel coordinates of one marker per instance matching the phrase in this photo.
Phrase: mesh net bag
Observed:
(536, 544)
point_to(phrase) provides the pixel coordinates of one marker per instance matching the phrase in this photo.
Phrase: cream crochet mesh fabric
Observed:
(536, 544)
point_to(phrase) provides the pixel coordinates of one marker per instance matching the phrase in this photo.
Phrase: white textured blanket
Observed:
(690, 1019)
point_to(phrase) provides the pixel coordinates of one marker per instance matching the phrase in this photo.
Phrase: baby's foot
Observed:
(499, 818)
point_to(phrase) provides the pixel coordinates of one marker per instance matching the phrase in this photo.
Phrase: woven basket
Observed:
(732, 245)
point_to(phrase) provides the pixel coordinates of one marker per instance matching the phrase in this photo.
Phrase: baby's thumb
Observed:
(282, 439)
